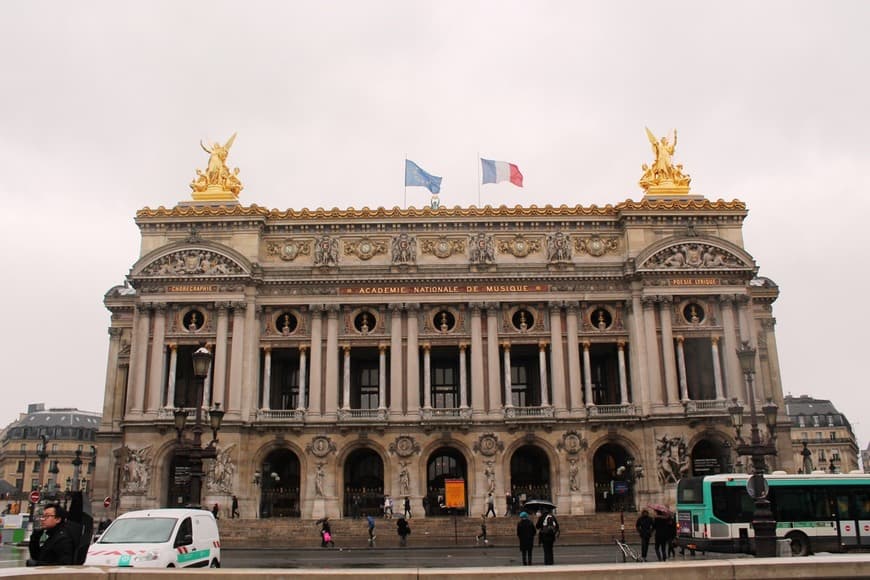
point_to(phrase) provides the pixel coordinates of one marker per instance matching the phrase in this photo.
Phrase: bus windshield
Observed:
(690, 490)
(139, 531)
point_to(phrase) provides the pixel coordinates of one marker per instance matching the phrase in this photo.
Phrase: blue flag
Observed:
(416, 176)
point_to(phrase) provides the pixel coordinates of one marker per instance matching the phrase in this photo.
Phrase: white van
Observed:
(159, 538)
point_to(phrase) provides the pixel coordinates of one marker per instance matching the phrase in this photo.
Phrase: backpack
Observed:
(548, 530)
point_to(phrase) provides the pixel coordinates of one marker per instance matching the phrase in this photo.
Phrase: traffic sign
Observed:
(107, 502)
(34, 496)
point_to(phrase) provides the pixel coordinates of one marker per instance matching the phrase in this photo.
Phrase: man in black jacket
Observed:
(52, 545)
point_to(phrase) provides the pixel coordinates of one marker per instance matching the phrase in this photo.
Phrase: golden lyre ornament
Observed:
(664, 178)
(218, 183)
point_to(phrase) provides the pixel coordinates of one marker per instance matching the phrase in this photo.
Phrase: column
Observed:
(303, 374)
(331, 383)
(382, 376)
(623, 379)
(681, 361)
(587, 374)
(111, 394)
(267, 377)
(652, 345)
(206, 387)
(478, 387)
(575, 386)
(219, 365)
(138, 368)
(173, 370)
(315, 382)
(542, 365)
(508, 388)
(493, 370)
(427, 376)
(671, 387)
(770, 370)
(233, 398)
(557, 359)
(730, 343)
(639, 382)
(251, 364)
(717, 367)
(744, 319)
(412, 383)
(396, 381)
(345, 380)
(158, 355)
(463, 382)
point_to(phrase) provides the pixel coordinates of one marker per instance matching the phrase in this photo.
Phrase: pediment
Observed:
(198, 260)
(696, 254)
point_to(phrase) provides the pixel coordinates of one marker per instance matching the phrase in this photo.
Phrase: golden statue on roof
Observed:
(663, 177)
(218, 183)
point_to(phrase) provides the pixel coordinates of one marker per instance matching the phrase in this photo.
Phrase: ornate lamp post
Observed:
(762, 520)
(630, 473)
(193, 448)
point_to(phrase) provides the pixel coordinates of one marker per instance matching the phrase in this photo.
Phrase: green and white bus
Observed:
(817, 512)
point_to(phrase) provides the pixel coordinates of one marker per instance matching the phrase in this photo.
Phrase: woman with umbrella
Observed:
(663, 526)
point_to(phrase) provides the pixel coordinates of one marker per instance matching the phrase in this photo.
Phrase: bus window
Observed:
(791, 504)
(862, 505)
(731, 503)
(690, 490)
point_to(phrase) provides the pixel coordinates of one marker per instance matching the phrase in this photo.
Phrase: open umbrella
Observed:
(661, 508)
(543, 505)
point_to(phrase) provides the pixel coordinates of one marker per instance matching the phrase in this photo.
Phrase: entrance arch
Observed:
(444, 463)
(363, 483)
(530, 474)
(614, 484)
(279, 481)
(710, 457)
(178, 486)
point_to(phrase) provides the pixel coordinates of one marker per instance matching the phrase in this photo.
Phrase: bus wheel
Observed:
(800, 544)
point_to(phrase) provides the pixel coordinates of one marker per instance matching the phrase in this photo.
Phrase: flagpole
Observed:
(478, 179)
(405, 181)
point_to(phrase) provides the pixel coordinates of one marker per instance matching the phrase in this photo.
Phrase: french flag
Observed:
(496, 171)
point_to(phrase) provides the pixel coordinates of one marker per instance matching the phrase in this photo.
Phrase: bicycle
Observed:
(626, 552)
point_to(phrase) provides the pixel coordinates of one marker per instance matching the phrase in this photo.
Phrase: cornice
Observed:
(533, 211)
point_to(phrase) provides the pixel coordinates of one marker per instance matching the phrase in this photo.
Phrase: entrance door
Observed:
(364, 484)
(279, 483)
(444, 463)
(178, 487)
(530, 474)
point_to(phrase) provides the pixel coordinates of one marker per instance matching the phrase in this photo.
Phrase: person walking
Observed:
(482, 535)
(644, 527)
(388, 508)
(404, 530)
(234, 513)
(662, 529)
(215, 511)
(490, 505)
(548, 532)
(526, 533)
(672, 535)
(372, 536)
(407, 508)
(52, 544)
(326, 533)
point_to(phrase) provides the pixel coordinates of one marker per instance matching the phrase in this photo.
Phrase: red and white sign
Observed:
(34, 496)
(107, 502)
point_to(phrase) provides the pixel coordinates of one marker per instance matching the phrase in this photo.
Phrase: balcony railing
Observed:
(706, 407)
(445, 415)
(169, 413)
(280, 415)
(529, 412)
(609, 411)
(367, 415)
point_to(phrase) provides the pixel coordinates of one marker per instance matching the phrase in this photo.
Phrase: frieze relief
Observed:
(404, 249)
(558, 248)
(136, 469)
(481, 249)
(220, 476)
(192, 262)
(365, 248)
(697, 256)
(488, 444)
(442, 247)
(326, 251)
(289, 249)
(519, 246)
(596, 246)
(404, 446)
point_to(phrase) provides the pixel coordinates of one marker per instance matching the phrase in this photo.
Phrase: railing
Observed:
(451, 414)
(169, 412)
(280, 415)
(529, 412)
(621, 410)
(362, 415)
(694, 407)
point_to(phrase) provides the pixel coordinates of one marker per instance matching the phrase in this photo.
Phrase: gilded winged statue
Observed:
(663, 172)
(217, 176)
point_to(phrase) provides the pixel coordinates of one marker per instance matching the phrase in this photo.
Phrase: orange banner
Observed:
(454, 493)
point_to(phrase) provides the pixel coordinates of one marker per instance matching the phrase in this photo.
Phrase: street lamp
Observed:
(630, 472)
(193, 448)
(762, 520)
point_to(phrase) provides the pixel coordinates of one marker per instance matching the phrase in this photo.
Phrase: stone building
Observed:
(821, 436)
(583, 355)
(58, 434)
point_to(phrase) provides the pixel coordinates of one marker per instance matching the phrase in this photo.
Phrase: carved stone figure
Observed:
(489, 474)
(404, 249)
(192, 262)
(326, 251)
(220, 477)
(673, 459)
(137, 468)
(663, 172)
(698, 256)
(319, 480)
(217, 176)
(573, 470)
(481, 249)
(558, 248)
(404, 479)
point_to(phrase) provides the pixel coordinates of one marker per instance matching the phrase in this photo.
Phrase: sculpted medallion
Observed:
(404, 446)
(488, 445)
(321, 446)
(289, 249)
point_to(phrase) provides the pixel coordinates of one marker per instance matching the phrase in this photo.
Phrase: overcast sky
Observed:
(103, 105)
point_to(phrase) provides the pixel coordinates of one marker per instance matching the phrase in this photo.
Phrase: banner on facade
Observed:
(454, 493)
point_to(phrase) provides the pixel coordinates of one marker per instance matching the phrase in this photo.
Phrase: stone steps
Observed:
(436, 531)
